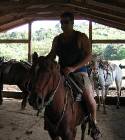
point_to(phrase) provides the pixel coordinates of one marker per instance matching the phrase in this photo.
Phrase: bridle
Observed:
(51, 97)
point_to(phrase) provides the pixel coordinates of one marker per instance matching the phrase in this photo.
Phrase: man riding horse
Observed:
(74, 52)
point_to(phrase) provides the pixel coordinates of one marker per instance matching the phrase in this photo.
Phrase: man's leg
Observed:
(83, 81)
(88, 95)
(91, 103)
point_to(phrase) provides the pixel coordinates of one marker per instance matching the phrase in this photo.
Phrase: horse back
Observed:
(14, 72)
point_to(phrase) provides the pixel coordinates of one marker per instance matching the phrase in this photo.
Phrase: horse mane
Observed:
(26, 64)
(46, 64)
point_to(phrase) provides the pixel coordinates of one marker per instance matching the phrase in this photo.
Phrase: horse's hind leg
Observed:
(24, 101)
(25, 94)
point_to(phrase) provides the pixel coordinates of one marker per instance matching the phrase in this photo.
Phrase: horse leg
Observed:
(24, 97)
(118, 86)
(1, 97)
(103, 100)
(83, 128)
(69, 134)
(98, 98)
(24, 101)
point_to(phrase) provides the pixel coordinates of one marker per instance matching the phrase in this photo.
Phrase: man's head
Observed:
(67, 20)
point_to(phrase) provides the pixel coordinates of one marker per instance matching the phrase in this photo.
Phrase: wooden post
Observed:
(90, 32)
(29, 41)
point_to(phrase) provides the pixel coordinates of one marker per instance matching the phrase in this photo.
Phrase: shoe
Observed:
(95, 133)
(79, 98)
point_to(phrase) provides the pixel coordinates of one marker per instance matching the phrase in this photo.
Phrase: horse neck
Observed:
(59, 98)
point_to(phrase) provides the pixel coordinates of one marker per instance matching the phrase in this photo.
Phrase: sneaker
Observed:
(79, 98)
(95, 133)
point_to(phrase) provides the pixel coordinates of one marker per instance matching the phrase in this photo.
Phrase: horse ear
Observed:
(34, 57)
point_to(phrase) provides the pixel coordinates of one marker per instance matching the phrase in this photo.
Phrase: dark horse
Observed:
(15, 73)
(62, 114)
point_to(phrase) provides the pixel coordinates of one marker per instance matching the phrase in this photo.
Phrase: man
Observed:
(74, 52)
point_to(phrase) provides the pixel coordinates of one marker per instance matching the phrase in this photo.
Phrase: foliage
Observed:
(42, 41)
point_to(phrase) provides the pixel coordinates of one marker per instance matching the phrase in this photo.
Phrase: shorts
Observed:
(81, 80)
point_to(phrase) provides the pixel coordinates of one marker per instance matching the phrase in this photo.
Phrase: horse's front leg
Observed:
(105, 96)
(118, 99)
(1, 97)
(69, 134)
(118, 85)
(98, 98)
(103, 100)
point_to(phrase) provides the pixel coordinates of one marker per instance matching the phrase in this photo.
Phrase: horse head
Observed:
(95, 65)
(43, 77)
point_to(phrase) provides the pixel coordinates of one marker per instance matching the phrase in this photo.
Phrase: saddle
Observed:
(74, 85)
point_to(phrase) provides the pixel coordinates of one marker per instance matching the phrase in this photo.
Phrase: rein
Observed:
(54, 93)
(50, 98)
(64, 106)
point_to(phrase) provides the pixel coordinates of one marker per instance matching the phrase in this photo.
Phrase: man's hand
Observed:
(68, 70)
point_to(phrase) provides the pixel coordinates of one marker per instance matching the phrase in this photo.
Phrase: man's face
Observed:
(66, 23)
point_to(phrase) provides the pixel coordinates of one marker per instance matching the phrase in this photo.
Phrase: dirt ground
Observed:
(16, 124)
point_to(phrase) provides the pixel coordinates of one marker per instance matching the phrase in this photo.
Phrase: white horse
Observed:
(103, 74)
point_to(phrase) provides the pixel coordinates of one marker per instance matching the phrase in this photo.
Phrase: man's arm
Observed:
(52, 53)
(87, 51)
(84, 43)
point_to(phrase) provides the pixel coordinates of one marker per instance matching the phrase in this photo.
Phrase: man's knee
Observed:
(89, 98)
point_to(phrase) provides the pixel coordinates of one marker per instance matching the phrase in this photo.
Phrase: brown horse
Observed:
(62, 113)
(15, 73)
